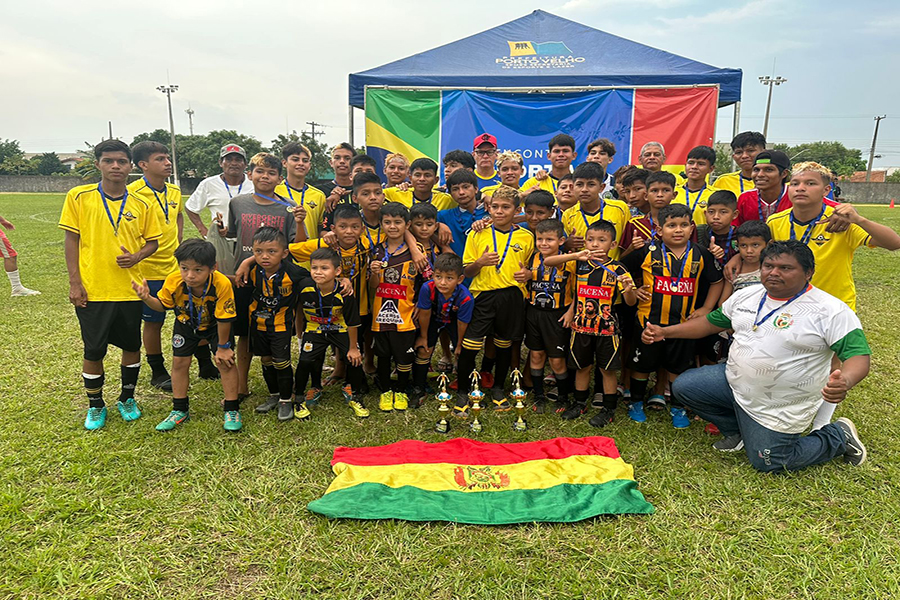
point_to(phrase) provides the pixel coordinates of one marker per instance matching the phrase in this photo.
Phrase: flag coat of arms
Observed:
(467, 481)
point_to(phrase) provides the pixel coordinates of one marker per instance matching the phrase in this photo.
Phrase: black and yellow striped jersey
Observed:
(275, 297)
(354, 265)
(597, 289)
(550, 287)
(328, 312)
(393, 302)
(674, 281)
(200, 312)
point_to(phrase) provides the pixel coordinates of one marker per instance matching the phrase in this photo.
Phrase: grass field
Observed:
(130, 513)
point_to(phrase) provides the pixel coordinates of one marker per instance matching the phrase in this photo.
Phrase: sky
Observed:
(266, 68)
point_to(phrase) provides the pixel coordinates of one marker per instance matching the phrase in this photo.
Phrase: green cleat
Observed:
(129, 410)
(232, 420)
(176, 417)
(95, 419)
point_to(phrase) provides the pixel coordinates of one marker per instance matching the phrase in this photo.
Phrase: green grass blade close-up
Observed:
(128, 512)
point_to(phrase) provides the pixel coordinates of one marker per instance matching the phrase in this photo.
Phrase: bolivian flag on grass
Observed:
(466, 481)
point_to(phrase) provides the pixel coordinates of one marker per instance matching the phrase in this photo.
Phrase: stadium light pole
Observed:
(872, 150)
(769, 81)
(168, 90)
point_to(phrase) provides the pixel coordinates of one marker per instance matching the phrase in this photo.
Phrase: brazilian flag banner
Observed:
(467, 481)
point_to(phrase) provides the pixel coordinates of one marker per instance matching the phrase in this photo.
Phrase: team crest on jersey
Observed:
(229, 307)
(695, 268)
(820, 239)
(391, 275)
(177, 341)
(517, 247)
(482, 478)
(311, 204)
(129, 216)
(783, 321)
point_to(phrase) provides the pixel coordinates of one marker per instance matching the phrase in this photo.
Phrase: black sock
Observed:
(420, 372)
(537, 382)
(304, 368)
(504, 357)
(285, 381)
(610, 401)
(93, 387)
(581, 397)
(355, 377)
(271, 378)
(383, 371)
(563, 386)
(202, 354)
(316, 374)
(638, 389)
(231, 405)
(464, 369)
(180, 404)
(157, 366)
(487, 363)
(129, 381)
(403, 373)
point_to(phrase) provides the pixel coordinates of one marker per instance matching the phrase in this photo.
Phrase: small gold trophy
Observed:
(517, 399)
(475, 397)
(443, 425)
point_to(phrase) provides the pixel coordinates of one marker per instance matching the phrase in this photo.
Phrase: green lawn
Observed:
(127, 512)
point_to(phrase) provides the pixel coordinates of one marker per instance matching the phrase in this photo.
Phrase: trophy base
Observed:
(442, 426)
(475, 427)
(520, 425)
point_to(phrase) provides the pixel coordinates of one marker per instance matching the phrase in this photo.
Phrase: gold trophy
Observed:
(475, 397)
(443, 425)
(517, 399)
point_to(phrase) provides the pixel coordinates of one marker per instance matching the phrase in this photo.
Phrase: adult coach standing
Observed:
(778, 366)
(215, 193)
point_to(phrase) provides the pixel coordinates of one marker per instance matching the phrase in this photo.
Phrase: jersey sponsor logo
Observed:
(672, 287)
(389, 314)
(592, 291)
(391, 290)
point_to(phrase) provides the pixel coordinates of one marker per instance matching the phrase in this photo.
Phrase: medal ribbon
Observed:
(804, 239)
(684, 262)
(115, 224)
(508, 242)
(228, 189)
(164, 205)
(762, 301)
(190, 297)
(302, 192)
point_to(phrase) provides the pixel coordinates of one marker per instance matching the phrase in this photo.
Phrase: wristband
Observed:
(225, 346)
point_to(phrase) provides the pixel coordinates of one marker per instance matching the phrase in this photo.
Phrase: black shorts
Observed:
(544, 332)
(185, 339)
(397, 345)
(276, 344)
(712, 347)
(498, 313)
(604, 351)
(675, 356)
(627, 317)
(243, 296)
(365, 323)
(105, 323)
(435, 328)
(313, 345)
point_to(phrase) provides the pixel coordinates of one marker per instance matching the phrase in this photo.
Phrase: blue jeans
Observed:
(707, 393)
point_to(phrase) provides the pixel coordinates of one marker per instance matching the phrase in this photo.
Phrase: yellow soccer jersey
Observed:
(166, 205)
(100, 240)
(833, 252)
(514, 247)
(697, 201)
(549, 183)
(734, 182)
(354, 265)
(439, 200)
(616, 212)
(311, 198)
(217, 303)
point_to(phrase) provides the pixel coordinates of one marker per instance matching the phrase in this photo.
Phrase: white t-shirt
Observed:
(215, 194)
(778, 371)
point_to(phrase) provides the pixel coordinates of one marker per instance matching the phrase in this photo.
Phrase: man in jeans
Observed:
(777, 373)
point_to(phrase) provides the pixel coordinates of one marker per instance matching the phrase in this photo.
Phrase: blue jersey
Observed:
(444, 311)
(459, 222)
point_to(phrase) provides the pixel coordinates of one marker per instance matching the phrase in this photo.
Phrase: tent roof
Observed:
(542, 50)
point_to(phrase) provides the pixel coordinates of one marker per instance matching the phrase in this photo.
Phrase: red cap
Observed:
(484, 138)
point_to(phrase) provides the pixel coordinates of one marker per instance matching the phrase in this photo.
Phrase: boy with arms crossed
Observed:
(589, 178)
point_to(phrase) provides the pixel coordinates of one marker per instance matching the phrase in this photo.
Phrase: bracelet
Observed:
(225, 346)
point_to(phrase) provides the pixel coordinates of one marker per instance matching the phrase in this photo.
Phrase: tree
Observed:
(49, 164)
(834, 155)
(893, 177)
(157, 135)
(319, 151)
(723, 160)
(9, 149)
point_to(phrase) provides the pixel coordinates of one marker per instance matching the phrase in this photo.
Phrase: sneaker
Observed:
(620, 389)
(540, 405)
(270, 403)
(162, 381)
(417, 397)
(129, 410)
(603, 418)
(313, 396)
(232, 420)
(560, 406)
(487, 380)
(95, 419)
(856, 452)
(285, 410)
(301, 411)
(731, 443)
(24, 291)
(550, 379)
(386, 402)
(176, 417)
(552, 393)
(208, 370)
(668, 391)
(401, 401)
(501, 404)
(680, 419)
(347, 392)
(636, 412)
(626, 394)
(574, 411)
(597, 401)
(656, 402)
(359, 409)
(711, 429)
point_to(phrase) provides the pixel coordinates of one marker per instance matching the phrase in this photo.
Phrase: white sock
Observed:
(823, 417)
(14, 279)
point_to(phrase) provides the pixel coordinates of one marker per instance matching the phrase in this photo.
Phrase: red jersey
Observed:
(751, 208)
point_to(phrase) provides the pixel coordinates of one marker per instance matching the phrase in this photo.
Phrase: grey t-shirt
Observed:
(245, 216)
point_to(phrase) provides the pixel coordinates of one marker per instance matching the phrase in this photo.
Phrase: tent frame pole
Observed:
(350, 124)
(735, 126)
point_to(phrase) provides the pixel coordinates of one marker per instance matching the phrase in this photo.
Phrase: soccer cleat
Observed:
(21, 292)
(270, 403)
(401, 401)
(711, 429)
(359, 409)
(597, 402)
(163, 382)
(129, 410)
(313, 396)
(856, 451)
(487, 380)
(232, 420)
(636, 412)
(386, 402)
(540, 405)
(176, 417)
(575, 410)
(603, 418)
(680, 419)
(731, 443)
(208, 370)
(560, 406)
(656, 402)
(95, 419)
(347, 392)
(301, 412)
(285, 410)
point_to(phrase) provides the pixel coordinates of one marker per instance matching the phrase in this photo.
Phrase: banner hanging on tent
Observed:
(431, 123)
